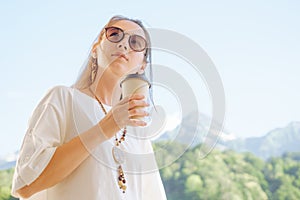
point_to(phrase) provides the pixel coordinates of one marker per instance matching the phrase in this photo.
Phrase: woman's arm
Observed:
(68, 157)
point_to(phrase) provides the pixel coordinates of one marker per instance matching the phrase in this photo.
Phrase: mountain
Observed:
(197, 128)
(273, 144)
(7, 165)
(8, 161)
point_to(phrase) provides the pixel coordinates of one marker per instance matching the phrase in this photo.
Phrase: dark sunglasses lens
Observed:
(137, 43)
(114, 34)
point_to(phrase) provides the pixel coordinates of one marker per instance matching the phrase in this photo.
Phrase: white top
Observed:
(63, 114)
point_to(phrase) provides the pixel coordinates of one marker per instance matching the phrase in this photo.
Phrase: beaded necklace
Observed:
(117, 153)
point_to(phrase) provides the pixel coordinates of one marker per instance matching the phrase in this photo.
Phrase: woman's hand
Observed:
(124, 114)
(128, 109)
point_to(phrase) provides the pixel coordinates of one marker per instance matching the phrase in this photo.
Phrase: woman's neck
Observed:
(107, 88)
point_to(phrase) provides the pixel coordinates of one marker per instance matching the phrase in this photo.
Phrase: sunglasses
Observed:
(115, 35)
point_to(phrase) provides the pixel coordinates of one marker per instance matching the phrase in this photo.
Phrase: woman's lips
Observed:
(122, 55)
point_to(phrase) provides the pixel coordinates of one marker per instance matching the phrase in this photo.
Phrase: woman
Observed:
(79, 144)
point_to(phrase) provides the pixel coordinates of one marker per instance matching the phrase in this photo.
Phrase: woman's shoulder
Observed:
(57, 95)
(60, 89)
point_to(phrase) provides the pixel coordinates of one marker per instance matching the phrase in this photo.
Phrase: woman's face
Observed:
(118, 57)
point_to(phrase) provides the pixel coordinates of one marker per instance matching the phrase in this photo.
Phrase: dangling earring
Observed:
(94, 69)
(141, 70)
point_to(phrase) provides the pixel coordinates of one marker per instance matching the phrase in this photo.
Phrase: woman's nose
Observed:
(123, 44)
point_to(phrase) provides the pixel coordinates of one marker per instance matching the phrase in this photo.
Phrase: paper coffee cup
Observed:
(135, 84)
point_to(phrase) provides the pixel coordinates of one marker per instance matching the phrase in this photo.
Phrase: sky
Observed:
(254, 45)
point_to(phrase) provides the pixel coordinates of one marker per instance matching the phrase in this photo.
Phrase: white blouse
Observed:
(63, 114)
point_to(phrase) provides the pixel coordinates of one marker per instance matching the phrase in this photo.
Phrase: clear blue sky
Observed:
(255, 46)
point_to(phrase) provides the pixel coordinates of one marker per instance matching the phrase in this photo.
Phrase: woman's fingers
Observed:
(130, 98)
(137, 113)
(136, 122)
(129, 109)
(137, 103)
(136, 96)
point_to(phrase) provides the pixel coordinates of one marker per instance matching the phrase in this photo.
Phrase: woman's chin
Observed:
(122, 70)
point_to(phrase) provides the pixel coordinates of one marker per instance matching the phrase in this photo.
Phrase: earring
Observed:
(140, 71)
(94, 69)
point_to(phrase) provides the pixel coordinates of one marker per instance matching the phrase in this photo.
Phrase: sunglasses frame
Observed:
(129, 39)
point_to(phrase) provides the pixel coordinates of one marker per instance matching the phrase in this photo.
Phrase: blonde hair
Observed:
(90, 67)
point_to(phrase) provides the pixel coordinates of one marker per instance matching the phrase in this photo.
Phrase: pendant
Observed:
(121, 179)
(118, 155)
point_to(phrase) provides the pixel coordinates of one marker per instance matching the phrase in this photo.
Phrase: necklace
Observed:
(117, 153)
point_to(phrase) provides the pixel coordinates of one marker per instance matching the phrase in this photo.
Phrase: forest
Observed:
(225, 175)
